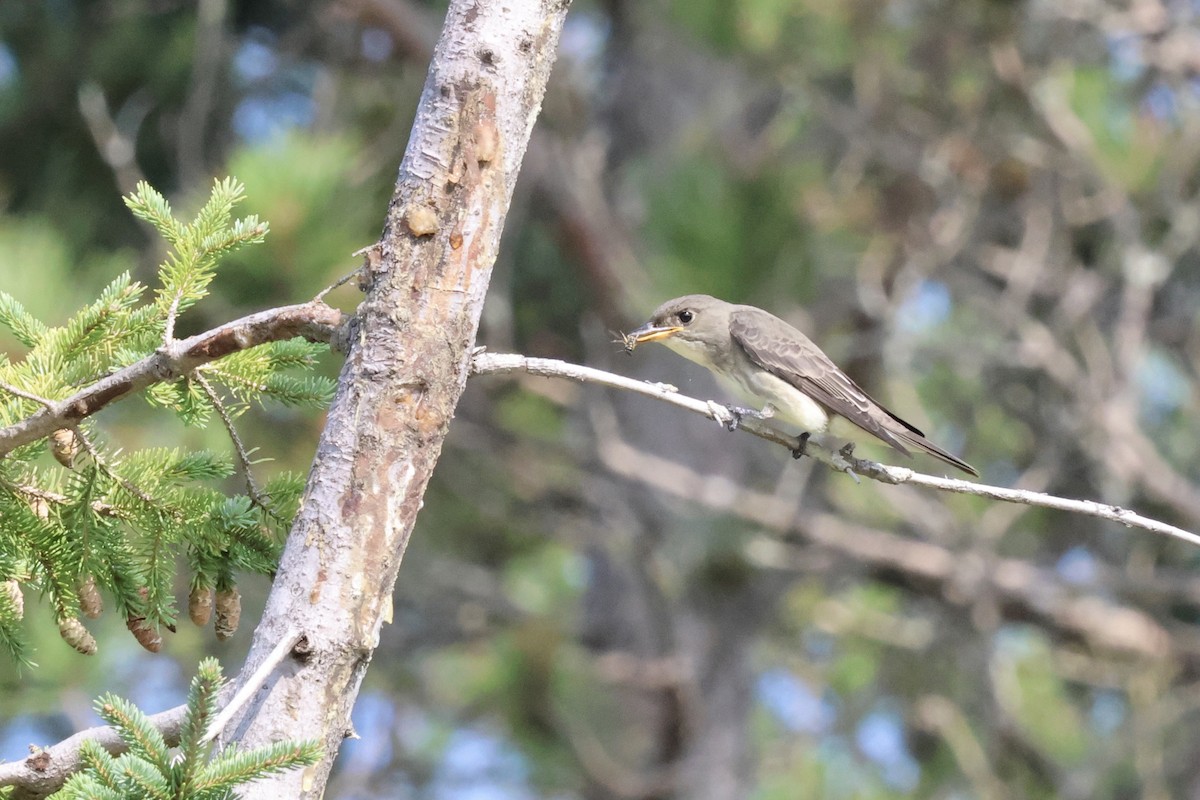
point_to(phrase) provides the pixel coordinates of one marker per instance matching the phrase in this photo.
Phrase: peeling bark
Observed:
(406, 369)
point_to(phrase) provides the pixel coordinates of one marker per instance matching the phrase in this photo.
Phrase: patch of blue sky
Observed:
(1163, 387)
(1015, 642)
(792, 702)
(10, 70)
(1162, 102)
(478, 765)
(374, 720)
(264, 118)
(152, 683)
(1077, 566)
(881, 738)
(583, 41)
(584, 36)
(818, 645)
(1109, 712)
(1125, 56)
(926, 307)
(18, 732)
(256, 59)
(376, 44)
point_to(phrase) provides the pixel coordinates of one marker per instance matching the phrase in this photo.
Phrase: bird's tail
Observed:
(919, 442)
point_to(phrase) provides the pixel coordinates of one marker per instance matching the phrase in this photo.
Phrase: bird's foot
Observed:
(739, 413)
(799, 451)
(846, 451)
(721, 414)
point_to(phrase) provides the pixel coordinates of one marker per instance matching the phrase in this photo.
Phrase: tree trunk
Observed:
(406, 368)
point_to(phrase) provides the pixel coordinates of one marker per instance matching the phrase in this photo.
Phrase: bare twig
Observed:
(372, 258)
(104, 509)
(488, 363)
(239, 447)
(169, 326)
(282, 649)
(33, 398)
(114, 145)
(349, 276)
(103, 466)
(314, 321)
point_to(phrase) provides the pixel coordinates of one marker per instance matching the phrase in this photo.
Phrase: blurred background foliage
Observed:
(986, 210)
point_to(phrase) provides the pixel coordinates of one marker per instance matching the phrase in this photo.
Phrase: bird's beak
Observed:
(651, 333)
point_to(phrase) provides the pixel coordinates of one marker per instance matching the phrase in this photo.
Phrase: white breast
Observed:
(790, 404)
(758, 388)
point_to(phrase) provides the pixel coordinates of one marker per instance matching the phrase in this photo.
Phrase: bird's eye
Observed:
(686, 316)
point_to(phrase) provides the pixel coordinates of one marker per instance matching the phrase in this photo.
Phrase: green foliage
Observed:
(119, 520)
(151, 770)
(1036, 698)
(299, 183)
(1130, 152)
(189, 269)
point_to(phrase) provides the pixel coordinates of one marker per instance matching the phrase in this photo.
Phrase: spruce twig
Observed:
(239, 447)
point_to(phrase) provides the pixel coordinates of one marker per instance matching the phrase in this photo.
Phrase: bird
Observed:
(770, 362)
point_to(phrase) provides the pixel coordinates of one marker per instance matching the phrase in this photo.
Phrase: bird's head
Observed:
(692, 326)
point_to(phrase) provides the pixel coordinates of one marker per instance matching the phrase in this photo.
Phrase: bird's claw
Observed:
(799, 451)
(728, 417)
(719, 413)
(738, 413)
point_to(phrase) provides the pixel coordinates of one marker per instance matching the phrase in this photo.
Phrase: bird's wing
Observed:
(789, 355)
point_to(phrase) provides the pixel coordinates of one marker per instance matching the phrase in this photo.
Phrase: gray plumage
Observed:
(770, 361)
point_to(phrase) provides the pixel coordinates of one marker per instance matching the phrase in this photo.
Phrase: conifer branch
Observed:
(314, 321)
(84, 765)
(46, 769)
(239, 447)
(98, 506)
(169, 325)
(103, 466)
(33, 398)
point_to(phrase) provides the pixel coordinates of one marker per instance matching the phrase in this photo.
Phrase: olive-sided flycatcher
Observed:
(770, 362)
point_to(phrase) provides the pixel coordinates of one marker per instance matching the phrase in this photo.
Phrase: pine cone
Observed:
(64, 445)
(200, 605)
(90, 601)
(74, 634)
(229, 613)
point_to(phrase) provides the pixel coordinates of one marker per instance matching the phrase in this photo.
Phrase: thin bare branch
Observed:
(493, 363)
(104, 467)
(24, 395)
(239, 447)
(283, 648)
